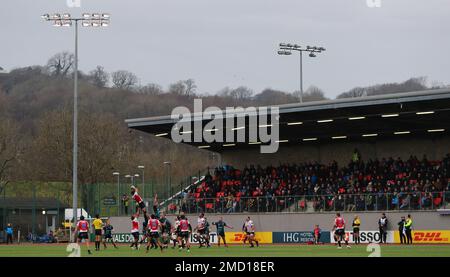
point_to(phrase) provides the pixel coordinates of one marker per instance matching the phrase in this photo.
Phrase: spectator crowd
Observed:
(384, 184)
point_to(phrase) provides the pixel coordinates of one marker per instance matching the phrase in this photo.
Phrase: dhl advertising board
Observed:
(238, 237)
(427, 236)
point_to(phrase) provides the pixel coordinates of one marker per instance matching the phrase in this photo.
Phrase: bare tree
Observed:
(241, 93)
(61, 64)
(313, 93)
(177, 88)
(54, 143)
(190, 87)
(10, 149)
(151, 89)
(123, 79)
(225, 92)
(186, 88)
(102, 142)
(271, 97)
(355, 92)
(3, 103)
(99, 77)
(412, 84)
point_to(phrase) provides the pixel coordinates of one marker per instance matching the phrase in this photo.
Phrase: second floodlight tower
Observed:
(287, 48)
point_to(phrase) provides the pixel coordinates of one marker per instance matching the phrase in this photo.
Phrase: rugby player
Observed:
(339, 230)
(135, 232)
(144, 230)
(184, 231)
(166, 228)
(244, 231)
(97, 224)
(201, 230)
(83, 231)
(107, 234)
(220, 225)
(156, 210)
(139, 201)
(317, 234)
(175, 231)
(249, 229)
(153, 228)
(208, 241)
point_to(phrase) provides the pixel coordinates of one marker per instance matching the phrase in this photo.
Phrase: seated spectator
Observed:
(51, 237)
(375, 184)
(30, 237)
(405, 202)
(394, 201)
(360, 203)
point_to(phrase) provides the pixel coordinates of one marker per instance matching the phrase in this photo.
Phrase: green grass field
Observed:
(45, 250)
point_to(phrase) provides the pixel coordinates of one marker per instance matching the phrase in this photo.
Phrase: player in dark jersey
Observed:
(220, 225)
(166, 228)
(208, 242)
(156, 210)
(144, 230)
(107, 234)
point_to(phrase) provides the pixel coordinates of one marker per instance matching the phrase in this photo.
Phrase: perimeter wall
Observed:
(428, 226)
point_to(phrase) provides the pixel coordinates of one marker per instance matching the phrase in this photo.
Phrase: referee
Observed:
(356, 225)
(97, 224)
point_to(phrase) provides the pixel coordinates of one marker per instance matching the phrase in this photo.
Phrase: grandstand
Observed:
(405, 134)
(366, 155)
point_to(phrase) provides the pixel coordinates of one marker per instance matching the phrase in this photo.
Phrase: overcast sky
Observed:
(234, 42)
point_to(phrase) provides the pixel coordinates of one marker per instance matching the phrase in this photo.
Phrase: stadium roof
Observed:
(420, 113)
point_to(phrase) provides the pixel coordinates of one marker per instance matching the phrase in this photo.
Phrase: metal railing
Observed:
(313, 203)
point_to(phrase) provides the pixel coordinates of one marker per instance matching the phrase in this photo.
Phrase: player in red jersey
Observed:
(135, 232)
(140, 202)
(83, 232)
(339, 230)
(317, 234)
(153, 229)
(185, 229)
